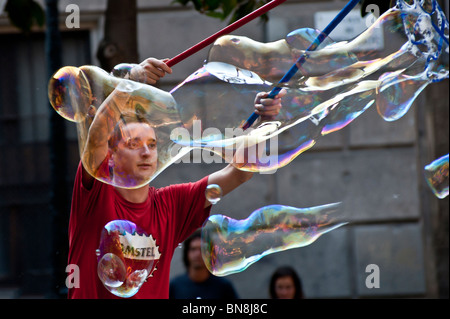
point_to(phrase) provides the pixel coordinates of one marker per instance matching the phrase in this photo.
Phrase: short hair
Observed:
(117, 134)
(286, 271)
(187, 244)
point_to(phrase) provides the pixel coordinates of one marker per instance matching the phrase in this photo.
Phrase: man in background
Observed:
(198, 282)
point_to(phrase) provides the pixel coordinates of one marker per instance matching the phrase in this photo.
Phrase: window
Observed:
(24, 149)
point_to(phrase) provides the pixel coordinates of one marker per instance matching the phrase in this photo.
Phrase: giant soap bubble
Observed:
(230, 246)
(335, 85)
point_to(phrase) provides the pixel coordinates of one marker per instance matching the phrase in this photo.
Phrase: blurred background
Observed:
(374, 167)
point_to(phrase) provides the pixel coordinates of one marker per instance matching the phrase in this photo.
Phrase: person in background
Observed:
(285, 284)
(198, 282)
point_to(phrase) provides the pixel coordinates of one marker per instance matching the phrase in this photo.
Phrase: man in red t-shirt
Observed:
(168, 214)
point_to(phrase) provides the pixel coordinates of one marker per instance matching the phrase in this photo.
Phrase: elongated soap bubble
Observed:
(122, 115)
(426, 28)
(230, 246)
(126, 258)
(104, 107)
(436, 175)
(70, 89)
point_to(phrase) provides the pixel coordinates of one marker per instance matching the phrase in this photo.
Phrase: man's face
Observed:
(285, 288)
(136, 156)
(195, 254)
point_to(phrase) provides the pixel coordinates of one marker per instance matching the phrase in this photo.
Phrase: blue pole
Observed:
(319, 39)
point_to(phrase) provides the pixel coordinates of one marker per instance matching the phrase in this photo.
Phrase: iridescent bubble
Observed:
(396, 99)
(128, 116)
(111, 270)
(436, 175)
(213, 193)
(230, 246)
(337, 83)
(70, 93)
(126, 258)
(123, 70)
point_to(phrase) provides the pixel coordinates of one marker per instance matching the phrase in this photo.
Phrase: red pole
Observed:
(235, 25)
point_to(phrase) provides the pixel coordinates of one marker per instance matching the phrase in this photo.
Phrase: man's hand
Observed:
(267, 108)
(151, 71)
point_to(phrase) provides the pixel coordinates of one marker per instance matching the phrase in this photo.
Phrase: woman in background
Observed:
(285, 284)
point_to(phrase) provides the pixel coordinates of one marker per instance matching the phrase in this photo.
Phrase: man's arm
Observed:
(228, 179)
(96, 147)
(108, 114)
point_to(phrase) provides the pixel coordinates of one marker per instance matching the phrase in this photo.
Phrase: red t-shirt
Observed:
(170, 215)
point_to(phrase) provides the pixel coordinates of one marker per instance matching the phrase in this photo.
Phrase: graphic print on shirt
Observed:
(140, 248)
(126, 258)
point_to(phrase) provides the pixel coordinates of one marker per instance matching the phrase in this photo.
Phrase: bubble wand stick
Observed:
(286, 78)
(235, 25)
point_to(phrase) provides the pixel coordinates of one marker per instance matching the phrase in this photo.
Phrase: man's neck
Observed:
(137, 195)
